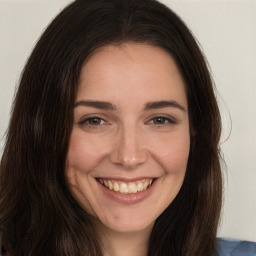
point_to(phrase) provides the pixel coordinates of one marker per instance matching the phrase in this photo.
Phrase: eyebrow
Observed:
(163, 104)
(96, 104)
(109, 106)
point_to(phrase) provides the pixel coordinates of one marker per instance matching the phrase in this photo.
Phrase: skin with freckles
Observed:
(130, 123)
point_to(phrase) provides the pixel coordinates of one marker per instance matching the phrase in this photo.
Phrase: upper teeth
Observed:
(126, 188)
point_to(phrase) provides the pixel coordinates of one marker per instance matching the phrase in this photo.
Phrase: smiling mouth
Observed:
(126, 187)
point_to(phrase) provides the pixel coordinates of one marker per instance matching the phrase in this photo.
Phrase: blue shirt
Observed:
(227, 247)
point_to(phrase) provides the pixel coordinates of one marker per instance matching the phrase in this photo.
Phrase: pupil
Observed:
(95, 121)
(159, 120)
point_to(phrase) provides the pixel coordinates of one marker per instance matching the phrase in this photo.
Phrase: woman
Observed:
(112, 147)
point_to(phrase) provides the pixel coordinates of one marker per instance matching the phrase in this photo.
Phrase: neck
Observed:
(125, 243)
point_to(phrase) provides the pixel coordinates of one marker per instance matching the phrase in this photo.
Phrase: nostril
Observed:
(129, 157)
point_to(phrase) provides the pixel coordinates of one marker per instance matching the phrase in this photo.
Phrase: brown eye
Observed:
(94, 121)
(160, 120)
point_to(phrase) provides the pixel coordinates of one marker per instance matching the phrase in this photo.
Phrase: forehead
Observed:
(138, 71)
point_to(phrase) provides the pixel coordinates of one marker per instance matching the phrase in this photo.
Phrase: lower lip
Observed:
(128, 198)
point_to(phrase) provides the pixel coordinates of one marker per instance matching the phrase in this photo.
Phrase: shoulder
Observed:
(228, 247)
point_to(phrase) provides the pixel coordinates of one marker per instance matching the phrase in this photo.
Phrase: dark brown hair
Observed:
(38, 215)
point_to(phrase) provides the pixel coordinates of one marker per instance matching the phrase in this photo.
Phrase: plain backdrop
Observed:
(226, 31)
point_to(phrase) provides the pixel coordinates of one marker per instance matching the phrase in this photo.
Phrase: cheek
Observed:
(173, 153)
(84, 153)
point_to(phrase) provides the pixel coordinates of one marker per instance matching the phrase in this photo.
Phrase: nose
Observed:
(129, 150)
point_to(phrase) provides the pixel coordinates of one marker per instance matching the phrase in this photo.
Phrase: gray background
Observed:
(226, 31)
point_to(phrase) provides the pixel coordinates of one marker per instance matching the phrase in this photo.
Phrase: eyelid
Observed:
(82, 121)
(86, 118)
(170, 119)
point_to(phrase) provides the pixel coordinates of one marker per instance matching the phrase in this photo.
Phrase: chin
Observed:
(123, 226)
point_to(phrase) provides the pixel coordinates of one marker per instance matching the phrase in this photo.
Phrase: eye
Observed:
(95, 121)
(92, 121)
(161, 120)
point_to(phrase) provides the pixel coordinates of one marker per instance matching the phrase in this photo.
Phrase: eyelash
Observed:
(93, 118)
(167, 120)
(98, 121)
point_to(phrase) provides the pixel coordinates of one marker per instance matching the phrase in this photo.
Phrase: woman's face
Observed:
(130, 142)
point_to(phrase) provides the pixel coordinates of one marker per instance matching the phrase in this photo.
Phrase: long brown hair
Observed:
(38, 215)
